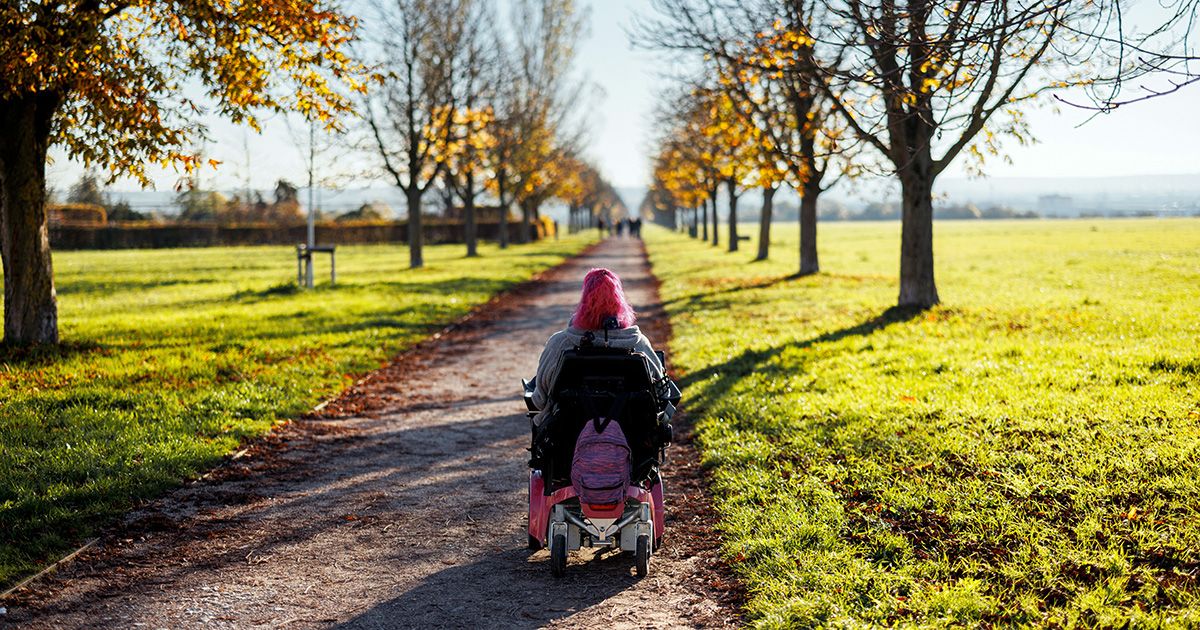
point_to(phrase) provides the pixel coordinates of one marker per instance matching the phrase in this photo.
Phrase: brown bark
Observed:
(704, 220)
(808, 227)
(731, 186)
(469, 227)
(716, 227)
(30, 302)
(917, 287)
(526, 218)
(764, 224)
(416, 237)
(500, 177)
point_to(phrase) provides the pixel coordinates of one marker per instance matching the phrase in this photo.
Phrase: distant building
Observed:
(1055, 205)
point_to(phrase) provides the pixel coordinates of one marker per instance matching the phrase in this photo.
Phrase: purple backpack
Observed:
(600, 470)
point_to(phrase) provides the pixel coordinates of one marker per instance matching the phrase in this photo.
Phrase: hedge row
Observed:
(166, 235)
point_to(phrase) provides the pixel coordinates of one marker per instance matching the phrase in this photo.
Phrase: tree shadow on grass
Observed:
(729, 373)
(283, 288)
(109, 286)
(694, 299)
(39, 355)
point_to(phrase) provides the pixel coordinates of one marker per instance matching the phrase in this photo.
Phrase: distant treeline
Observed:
(165, 235)
(889, 211)
(884, 211)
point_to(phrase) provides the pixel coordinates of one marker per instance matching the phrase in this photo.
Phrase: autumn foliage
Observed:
(105, 80)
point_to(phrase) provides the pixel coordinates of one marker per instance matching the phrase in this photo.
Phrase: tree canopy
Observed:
(110, 81)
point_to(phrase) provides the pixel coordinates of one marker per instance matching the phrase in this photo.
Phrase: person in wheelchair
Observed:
(602, 301)
(600, 408)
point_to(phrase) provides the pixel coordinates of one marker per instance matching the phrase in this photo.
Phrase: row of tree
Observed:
(433, 88)
(474, 107)
(804, 92)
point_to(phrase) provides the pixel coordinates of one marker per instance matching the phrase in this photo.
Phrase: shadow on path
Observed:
(526, 596)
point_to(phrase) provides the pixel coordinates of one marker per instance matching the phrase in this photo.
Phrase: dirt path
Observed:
(403, 505)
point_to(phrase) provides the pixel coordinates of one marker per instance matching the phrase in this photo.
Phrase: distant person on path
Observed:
(635, 227)
(621, 227)
(600, 226)
(603, 299)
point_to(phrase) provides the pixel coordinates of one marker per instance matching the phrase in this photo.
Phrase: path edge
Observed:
(722, 584)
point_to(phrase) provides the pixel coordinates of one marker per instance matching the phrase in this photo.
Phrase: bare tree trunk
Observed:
(30, 302)
(716, 228)
(469, 227)
(808, 228)
(704, 220)
(917, 287)
(526, 218)
(503, 210)
(731, 186)
(416, 240)
(764, 224)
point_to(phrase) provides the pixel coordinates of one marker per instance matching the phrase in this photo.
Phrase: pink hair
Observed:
(603, 297)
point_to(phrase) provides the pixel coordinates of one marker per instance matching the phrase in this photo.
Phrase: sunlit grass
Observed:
(171, 358)
(1027, 453)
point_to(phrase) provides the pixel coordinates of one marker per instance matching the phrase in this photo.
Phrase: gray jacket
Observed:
(552, 357)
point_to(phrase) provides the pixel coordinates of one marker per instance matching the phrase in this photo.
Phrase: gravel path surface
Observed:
(401, 505)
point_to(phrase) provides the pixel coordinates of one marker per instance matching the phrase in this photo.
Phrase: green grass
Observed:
(1028, 453)
(171, 358)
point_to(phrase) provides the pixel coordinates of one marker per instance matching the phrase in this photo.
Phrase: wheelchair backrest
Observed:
(610, 370)
(600, 382)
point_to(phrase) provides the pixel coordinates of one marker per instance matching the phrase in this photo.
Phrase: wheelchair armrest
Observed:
(662, 359)
(528, 386)
(668, 392)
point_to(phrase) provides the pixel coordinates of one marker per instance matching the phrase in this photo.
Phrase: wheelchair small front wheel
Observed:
(642, 565)
(558, 555)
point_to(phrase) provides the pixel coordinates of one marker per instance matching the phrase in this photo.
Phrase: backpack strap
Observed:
(614, 412)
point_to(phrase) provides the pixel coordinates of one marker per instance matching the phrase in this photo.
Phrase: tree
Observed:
(123, 212)
(505, 133)
(86, 190)
(762, 59)
(733, 151)
(924, 81)
(535, 128)
(200, 206)
(774, 80)
(102, 80)
(411, 118)
(473, 83)
(682, 168)
(585, 191)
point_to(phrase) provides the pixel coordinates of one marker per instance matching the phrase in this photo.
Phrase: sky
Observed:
(1161, 136)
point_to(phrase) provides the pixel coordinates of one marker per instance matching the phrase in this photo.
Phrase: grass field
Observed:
(1026, 454)
(171, 358)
